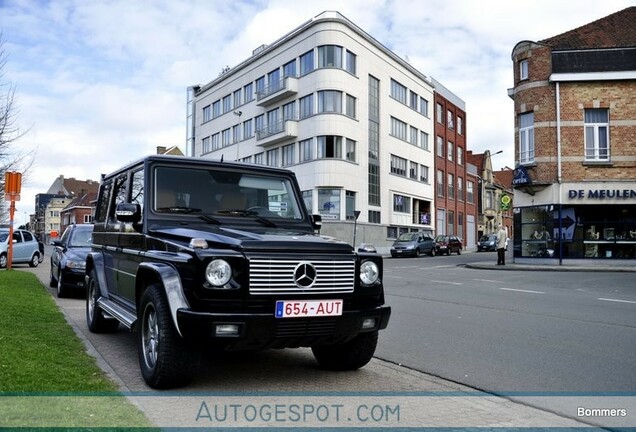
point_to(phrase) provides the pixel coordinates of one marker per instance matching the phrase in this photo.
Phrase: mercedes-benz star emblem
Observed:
(304, 274)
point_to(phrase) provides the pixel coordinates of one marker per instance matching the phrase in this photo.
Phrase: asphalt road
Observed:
(449, 326)
(512, 331)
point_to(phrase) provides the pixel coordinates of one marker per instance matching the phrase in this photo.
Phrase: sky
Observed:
(100, 83)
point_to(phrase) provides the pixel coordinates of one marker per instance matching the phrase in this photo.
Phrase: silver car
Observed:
(26, 248)
(413, 244)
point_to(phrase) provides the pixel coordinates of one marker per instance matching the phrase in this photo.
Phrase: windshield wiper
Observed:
(248, 213)
(210, 219)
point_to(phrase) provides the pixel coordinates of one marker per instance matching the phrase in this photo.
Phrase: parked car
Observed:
(445, 244)
(26, 248)
(488, 242)
(413, 244)
(191, 253)
(68, 259)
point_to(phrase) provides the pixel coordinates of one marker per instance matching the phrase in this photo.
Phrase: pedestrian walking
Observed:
(502, 235)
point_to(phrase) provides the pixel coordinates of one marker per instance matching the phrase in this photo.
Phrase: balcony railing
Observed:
(276, 91)
(276, 132)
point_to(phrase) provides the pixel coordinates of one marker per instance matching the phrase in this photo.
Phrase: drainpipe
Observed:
(559, 179)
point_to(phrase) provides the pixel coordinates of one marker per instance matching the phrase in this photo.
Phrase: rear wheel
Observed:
(35, 260)
(3, 260)
(417, 252)
(165, 359)
(350, 355)
(459, 251)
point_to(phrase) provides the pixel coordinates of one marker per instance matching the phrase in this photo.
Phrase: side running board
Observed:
(120, 314)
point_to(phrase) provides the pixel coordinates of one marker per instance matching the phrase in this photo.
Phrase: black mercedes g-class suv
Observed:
(192, 253)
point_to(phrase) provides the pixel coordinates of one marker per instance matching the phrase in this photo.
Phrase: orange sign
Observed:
(12, 185)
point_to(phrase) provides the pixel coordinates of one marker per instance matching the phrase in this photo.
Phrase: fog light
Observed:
(368, 323)
(226, 330)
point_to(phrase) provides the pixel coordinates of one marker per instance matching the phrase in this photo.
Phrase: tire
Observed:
(3, 260)
(432, 252)
(95, 319)
(52, 281)
(62, 291)
(35, 260)
(165, 360)
(417, 252)
(349, 355)
(459, 251)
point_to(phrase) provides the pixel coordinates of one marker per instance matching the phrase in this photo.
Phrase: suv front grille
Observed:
(278, 276)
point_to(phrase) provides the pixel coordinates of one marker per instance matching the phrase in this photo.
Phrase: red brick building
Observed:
(575, 123)
(455, 207)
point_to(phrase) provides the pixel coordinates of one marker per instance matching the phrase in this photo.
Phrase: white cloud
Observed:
(101, 83)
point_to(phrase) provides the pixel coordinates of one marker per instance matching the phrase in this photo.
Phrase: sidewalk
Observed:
(592, 267)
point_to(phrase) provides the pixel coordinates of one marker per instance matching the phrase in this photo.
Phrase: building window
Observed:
(329, 101)
(398, 165)
(423, 106)
(216, 109)
(227, 104)
(215, 141)
(308, 199)
(351, 106)
(373, 170)
(305, 153)
(260, 85)
(351, 150)
(450, 151)
(274, 82)
(306, 106)
(351, 63)
(460, 156)
(398, 91)
(424, 140)
(423, 173)
(248, 92)
(460, 189)
(247, 159)
(237, 98)
(330, 56)
(398, 128)
(258, 158)
(413, 170)
(440, 183)
(207, 113)
(450, 121)
(440, 146)
(460, 125)
(236, 133)
(401, 204)
(259, 123)
(272, 157)
(307, 62)
(288, 154)
(470, 192)
(439, 113)
(329, 203)
(413, 135)
(523, 70)
(329, 147)
(248, 131)
(206, 145)
(350, 202)
(374, 217)
(450, 215)
(289, 69)
(597, 134)
(526, 138)
(451, 186)
(226, 138)
(289, 111)
(413, 100)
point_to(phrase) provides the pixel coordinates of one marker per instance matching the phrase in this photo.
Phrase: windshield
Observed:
(440, 238)
(224, 193)
(406, 237)
(81, 238)
(487, 238)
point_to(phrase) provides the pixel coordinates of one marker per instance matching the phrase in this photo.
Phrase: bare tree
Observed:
(10, 158)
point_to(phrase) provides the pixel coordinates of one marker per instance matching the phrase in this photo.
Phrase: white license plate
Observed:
(309, 308)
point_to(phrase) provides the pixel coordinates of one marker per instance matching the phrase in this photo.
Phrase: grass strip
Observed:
(47, 379)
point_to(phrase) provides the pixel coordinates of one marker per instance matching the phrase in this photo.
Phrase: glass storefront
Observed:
(575, 231)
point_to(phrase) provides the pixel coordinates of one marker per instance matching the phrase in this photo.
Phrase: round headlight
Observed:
(218, 272)
(369, 272)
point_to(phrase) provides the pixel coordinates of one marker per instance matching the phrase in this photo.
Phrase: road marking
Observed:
(488, 280)
(617, 300)
(445, 282)
(525, 291)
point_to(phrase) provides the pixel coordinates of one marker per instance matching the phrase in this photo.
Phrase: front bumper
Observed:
(261, 331)
(74, 277)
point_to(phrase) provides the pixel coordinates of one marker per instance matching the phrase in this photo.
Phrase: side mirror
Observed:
(56, 243)
(316, 221)
(127, 212)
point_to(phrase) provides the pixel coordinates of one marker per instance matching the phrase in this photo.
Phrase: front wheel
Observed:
(95, 319)
(349, 355)
(62, 291)
(165, 359)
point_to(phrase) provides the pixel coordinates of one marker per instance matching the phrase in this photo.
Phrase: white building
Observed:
(347, 115)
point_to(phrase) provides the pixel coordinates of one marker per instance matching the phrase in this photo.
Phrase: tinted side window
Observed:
(119, 191)
(102, 207)
(27, 236)
(137, 188)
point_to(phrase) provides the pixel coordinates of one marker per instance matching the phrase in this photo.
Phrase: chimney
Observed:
(161, 150)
